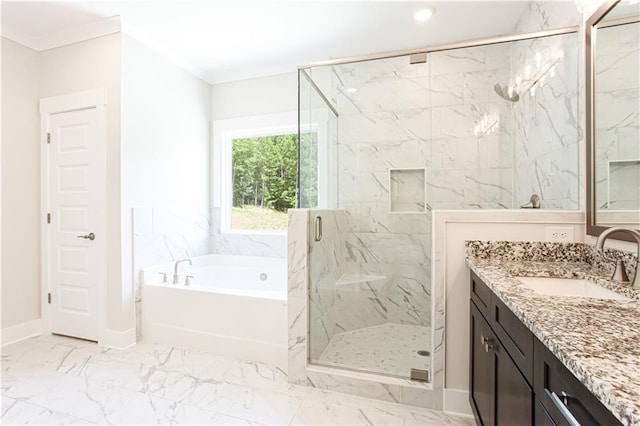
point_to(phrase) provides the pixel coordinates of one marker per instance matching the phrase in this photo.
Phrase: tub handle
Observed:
(187, 280)
(317, 228)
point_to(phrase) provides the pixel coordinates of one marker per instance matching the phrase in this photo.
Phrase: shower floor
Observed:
(387, 348)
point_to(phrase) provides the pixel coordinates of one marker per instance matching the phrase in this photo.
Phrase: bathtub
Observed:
(235, 306)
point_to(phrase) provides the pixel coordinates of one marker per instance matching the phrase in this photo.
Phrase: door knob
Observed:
(90, 236)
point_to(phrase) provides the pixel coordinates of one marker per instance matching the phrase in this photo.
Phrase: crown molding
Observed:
(64, 37)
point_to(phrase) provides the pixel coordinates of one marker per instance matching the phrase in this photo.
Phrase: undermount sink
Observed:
(569, 287)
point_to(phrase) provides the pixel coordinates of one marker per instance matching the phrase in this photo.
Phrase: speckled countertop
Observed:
(597, 340)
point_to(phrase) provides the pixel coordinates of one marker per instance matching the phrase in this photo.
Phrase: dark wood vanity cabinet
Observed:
(514, 379)
(499, 393)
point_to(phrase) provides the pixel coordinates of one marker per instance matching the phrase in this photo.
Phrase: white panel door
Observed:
(76, 232)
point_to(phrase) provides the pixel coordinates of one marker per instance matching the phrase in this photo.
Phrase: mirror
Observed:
(613, 116)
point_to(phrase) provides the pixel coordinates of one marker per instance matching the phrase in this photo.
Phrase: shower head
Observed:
(507, 93)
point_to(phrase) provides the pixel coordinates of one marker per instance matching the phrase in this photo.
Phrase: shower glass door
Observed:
(369, 291)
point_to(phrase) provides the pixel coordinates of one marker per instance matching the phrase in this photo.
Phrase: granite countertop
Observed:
(597, 340)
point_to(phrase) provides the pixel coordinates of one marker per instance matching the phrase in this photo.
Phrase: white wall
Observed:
(165, 131)
(82, 66)
(20, 186)
(257, 96)
(166, 115)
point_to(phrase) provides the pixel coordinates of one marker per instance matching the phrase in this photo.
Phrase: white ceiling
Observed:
(224, 40)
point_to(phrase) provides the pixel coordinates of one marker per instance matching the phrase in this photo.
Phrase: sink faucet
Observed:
(175, 269)
(619, 274)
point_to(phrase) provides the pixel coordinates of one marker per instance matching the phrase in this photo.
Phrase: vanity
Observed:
(546, 354)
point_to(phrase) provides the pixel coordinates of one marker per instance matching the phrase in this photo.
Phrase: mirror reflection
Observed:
(617, 117)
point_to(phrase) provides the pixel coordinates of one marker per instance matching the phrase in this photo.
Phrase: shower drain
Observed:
(263, 276)
(424, 353)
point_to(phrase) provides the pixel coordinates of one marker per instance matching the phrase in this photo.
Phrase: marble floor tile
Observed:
(58, 380)
(21, 413)
(387, 348)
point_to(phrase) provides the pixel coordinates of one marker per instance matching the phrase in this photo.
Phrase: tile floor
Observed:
(361, 349)
(58, 380)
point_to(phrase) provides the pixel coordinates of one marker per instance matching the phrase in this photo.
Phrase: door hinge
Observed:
(48, 137)
(49, 298)
(48, 217)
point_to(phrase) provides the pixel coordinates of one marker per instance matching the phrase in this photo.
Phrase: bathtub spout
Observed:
(175, 269)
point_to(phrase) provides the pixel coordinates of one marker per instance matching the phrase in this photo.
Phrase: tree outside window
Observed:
(264, 181)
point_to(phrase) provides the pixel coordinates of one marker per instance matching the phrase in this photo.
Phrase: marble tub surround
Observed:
(164, 235)
(596, 339)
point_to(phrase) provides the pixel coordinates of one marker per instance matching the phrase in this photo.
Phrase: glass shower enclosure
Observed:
(385, 142)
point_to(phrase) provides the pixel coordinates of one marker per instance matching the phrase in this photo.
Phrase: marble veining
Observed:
(59, 380)
(596, 339)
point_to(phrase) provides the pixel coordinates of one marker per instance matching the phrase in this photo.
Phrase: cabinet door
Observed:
(481, 380)
(499, 393)
(514, 396)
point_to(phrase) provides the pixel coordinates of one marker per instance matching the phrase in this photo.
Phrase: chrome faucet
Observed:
(175, 269)
(619, 274)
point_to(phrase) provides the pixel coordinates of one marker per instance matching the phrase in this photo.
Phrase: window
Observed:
(264, 170)
(255, 172)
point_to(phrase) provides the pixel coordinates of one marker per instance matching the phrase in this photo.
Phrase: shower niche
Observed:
(384, 143)
(407, 191)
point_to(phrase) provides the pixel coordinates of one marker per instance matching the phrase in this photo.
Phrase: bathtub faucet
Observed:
(175, 269)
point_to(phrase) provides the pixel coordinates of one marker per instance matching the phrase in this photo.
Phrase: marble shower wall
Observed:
(618, 117)
(393, 269)
(547, 135)
(424, 116)
(546, 123)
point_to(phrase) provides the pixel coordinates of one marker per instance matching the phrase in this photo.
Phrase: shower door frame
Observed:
(442, 47)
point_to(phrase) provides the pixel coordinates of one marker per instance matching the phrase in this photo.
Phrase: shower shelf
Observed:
(357, 278)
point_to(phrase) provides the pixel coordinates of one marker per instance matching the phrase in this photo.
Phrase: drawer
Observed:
(567, 401)
(516, 338)
(480, 294)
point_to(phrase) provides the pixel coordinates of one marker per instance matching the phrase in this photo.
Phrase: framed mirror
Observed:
(613, 116)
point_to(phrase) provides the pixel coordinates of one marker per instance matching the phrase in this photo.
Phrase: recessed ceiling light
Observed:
(423, 14)
(352, 90)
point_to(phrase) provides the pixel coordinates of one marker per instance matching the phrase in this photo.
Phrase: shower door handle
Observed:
(317, 228)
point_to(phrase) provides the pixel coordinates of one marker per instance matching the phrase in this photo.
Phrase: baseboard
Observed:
(18, 332)
(118, 339)
(457, 402)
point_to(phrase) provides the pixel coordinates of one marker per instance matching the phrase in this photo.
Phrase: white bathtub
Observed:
(236, 306)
